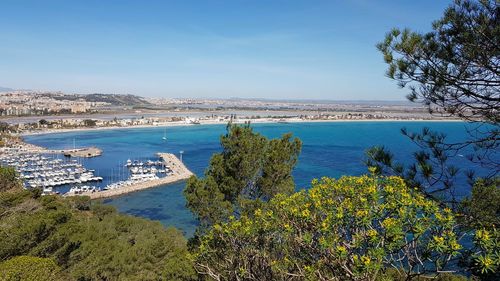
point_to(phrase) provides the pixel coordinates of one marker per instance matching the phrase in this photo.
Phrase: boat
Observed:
(192, 121)
(165, 134)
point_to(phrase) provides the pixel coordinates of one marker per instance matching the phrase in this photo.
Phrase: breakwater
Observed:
(179, 172)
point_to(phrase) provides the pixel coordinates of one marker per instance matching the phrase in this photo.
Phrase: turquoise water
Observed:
(329, 149)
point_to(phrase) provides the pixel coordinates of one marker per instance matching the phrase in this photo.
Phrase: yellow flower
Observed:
(371, 233)
(438, 239)
(455, 246)
(389, 222)
(366, 260)
(483, 235)
(361, 213)
(487, 261)
(324, 225)
(306, 213)
(371, 189)
(342, 250)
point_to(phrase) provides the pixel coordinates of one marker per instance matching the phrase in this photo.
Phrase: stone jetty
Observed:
(179, 172)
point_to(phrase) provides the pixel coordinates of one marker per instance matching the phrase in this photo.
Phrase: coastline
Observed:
(181, 172)
(239, 121)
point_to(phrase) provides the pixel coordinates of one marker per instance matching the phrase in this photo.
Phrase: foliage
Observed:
(4, 126)
(89, 123)
(95, 244)
(346, 229)
(453, 70)
(485, 258)
(28, 268)
(454, 67)
(8, 179)
(482, 208)
(43, 122)
(249, 171)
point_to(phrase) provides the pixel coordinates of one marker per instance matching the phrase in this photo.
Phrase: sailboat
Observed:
(165, 134)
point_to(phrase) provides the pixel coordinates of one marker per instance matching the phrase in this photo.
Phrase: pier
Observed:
(179, 172)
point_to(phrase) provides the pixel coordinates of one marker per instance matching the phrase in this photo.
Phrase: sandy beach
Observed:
(238, 121)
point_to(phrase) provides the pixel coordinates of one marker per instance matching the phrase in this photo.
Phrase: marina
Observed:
(175, 171)
(54, 174)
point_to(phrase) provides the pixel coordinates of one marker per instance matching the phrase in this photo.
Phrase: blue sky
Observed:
(236, 48)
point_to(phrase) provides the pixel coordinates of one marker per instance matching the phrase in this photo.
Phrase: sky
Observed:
(207, 48)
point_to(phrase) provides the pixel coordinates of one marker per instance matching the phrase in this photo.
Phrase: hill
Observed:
(113, 99)
(4, 89)
(81, 240)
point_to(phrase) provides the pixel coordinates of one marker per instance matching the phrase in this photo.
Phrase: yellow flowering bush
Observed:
(486, 259)
(341, 229)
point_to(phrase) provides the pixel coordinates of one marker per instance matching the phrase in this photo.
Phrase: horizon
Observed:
(5, 90)
(185, 49)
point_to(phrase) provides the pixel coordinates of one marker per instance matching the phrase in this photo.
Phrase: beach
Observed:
(237, 121)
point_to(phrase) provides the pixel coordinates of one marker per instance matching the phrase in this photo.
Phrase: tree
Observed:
(4, 127)
(250, 170)
(95, 244)
(89, 123)
(43, 122)
(481, 209)
(480, 214)
(347, 229)
(454, 70)
(8, 179)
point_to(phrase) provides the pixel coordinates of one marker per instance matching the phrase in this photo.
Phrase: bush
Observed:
(28, 268)
(346, 229)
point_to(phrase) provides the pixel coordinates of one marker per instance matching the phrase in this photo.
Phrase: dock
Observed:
(179, 170)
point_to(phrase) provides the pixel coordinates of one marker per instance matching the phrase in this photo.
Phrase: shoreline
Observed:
(240, 121)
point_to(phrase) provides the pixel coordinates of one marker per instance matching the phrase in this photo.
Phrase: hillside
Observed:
(74, 239)
(113, 99)
(5, 89)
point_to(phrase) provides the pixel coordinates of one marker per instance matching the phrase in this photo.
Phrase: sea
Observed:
(329, 149)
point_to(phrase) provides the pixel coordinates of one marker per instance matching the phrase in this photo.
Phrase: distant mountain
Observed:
(4, 89)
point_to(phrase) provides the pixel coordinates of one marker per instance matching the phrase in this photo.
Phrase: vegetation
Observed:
(28, 268)
(249, 171)
(398, 223)
(481, 209)
(89, 123)
(453, 70)
(8, 179)
(113, 99)
(4, 127)
(346, 229)
(87, 241)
